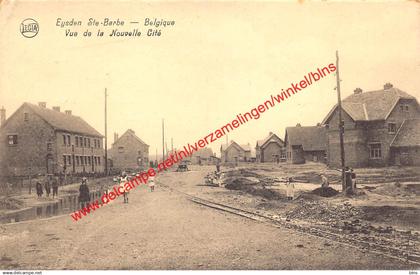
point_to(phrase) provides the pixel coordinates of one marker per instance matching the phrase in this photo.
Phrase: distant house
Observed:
(37, 140)
(233, 152)
(129, 152)
(202, 156)
(305, 144)
(380, 128)
(270, 149)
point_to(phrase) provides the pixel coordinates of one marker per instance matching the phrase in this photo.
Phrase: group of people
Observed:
(51, 183)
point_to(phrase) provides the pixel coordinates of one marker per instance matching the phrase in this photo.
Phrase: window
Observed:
(25, 116)
(64, 140)
(81, 141)
(68, 140)
(77, 160)
(88, 143)
(64, 160)
(49, 146)
(89, 161)
(69, 159)
(96, 160)
(375, 151)
(121, 149)
(77, 141)
(82, 160)
(12, 140)
(85, 142)
(99, 160)
(392, 128)
(404, 108)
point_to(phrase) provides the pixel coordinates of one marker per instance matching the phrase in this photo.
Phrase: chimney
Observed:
(115, 137)
(56, 108)
(2, 115)
(318, 124)
(388, 86)
(270, 133)
(68, 112)
(298, 125)
(358, 91)
(42, 104)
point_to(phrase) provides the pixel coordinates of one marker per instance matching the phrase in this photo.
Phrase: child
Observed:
(290, 189)
(152, 184)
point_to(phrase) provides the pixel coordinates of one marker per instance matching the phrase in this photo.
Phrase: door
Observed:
(50, 164)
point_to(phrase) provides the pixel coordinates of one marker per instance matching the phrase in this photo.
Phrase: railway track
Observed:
(405, 252)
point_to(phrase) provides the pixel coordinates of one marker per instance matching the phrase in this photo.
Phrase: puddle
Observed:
(64, 205)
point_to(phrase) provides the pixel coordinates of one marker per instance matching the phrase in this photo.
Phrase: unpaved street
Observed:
(164, 230)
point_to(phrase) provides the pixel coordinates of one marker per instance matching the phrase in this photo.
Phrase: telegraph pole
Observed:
(106, 137)
(340, 128)
(163, 140)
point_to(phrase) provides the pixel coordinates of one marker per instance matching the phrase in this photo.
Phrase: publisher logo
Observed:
(29, 28)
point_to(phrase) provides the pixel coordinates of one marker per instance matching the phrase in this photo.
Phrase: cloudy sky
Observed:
(218, 60)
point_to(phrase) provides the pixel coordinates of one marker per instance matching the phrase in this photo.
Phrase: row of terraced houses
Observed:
(381, 128)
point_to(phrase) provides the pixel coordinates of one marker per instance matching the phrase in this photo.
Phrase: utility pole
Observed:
(163, 140)
(106, 137)
(340, 128)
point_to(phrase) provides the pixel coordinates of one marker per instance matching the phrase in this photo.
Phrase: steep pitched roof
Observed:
(270, 137)
(133, 134)
(312, 138)
(408, 134)
(245, 147)
(372, 105)
(64, 122)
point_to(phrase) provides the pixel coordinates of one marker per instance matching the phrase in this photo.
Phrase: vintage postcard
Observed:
(209, 135)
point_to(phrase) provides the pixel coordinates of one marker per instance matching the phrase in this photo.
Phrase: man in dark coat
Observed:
(84, 195)
(38, 188)
(47, 187)
(55, 187)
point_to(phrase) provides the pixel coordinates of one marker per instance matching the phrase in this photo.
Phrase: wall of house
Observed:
(317, 156)
(127, 157)
(355, 148)
(409, 156)
(269, 151)
(233, 152)
(76, 151)
(29, 156)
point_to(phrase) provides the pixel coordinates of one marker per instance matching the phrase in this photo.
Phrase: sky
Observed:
(219, 59)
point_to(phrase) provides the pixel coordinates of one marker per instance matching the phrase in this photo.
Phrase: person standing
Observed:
(125, 193)
(47, 187)
(290, 188)
(38, 188)
(55, 187)
(84, 193)
(218, 166)
(152, 184)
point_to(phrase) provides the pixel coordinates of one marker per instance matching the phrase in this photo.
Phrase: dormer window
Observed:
(25, 116)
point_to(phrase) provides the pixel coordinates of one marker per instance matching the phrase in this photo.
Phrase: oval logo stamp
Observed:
(29, 28)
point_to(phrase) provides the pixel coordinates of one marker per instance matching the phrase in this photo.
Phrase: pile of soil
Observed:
(322, 211)
(325, 192)
(252, 188)
(397, 189)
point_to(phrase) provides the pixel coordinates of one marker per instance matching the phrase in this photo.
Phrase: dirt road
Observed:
(164, 230)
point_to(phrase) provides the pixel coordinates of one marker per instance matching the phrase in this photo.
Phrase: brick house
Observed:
(202, 156)
(305, 144)
(270, 149)
(380, 128)
(233, 152)
(36, 140)
(129, 152)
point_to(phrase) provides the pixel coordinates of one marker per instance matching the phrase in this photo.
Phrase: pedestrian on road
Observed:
(125, 193)
(84, 194)
(290, 188)
(218, 166)
(38, 188)
(47, 187)
(55, 187)
(152, 184)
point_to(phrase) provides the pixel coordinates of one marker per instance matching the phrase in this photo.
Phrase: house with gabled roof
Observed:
(233, 152)
(129, 152)
(202, 156)
(270, 149)
(305, 143)
(37, 140)
(380, 128)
